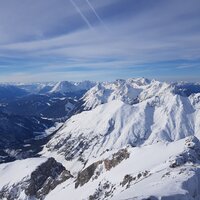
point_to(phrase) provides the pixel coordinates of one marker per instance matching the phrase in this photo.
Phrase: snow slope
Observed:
(14, 172)
(171, 173)
(136, 139)
(129, 91)
(68, 87)
(113, 125)
(134, 90)
(164, 170)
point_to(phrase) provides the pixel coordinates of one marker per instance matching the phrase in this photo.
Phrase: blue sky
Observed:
(53, 40)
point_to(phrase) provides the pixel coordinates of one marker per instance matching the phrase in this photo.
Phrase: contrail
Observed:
(81, 14)
(96, 14)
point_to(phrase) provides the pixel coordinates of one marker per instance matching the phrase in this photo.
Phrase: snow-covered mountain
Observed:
(158, 171)
(52, 87)
(135, 139)
(27, 111)
(70, 87)
(134, 90)
(164, 118)
(36, 88)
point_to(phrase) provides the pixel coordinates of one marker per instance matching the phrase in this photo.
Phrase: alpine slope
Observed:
(132, 139)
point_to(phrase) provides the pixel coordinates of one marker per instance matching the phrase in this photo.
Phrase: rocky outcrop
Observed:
(46, 177)
(104, 191)
(129, 178)
(116, 159)
(71, 147)
(12, 192)
(85, 175)
(39, 183)
(190, 154)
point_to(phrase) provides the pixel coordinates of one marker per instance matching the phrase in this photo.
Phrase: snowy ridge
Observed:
(14, 172)
(134, 90)
(168, 174)
(51, 87)
(128, 173)
(67, 87)
(129, 91)
(137, 139)
(116, 124)
(35, 88)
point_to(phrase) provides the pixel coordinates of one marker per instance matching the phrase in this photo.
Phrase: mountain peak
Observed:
(67, 87)
(129, 91)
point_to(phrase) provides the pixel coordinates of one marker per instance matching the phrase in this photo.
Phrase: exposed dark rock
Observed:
(85, 175)
(72, 147)
(46, 177)
(127, 180)
(96, 195)
(191, 153)
(116, 159)
(12, 192)
(104, 191)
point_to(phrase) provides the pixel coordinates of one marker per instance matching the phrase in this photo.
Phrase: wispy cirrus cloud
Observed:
(69, 37)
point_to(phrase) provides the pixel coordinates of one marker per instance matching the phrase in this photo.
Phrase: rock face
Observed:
(46, 177)
(114, 125)
(128, 178)
(40, 182)
(85, 175)
(116, 159)
(190, 154)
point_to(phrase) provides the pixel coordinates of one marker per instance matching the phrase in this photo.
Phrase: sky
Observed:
(53, 40)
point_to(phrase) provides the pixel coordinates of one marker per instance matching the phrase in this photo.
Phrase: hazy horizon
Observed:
(197, 80)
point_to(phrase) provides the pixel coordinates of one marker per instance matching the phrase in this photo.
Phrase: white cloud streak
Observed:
(146, 35)
(97, 15)
(81, 14)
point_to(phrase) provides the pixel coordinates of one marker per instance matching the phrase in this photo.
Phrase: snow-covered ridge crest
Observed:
(131, 112)
(135, 90)
(139, 141)
(130, 91)
(51, 87)
(67, 86)
(115, 125)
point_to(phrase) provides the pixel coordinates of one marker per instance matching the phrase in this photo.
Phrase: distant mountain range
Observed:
(27, 110)
(121, 140)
